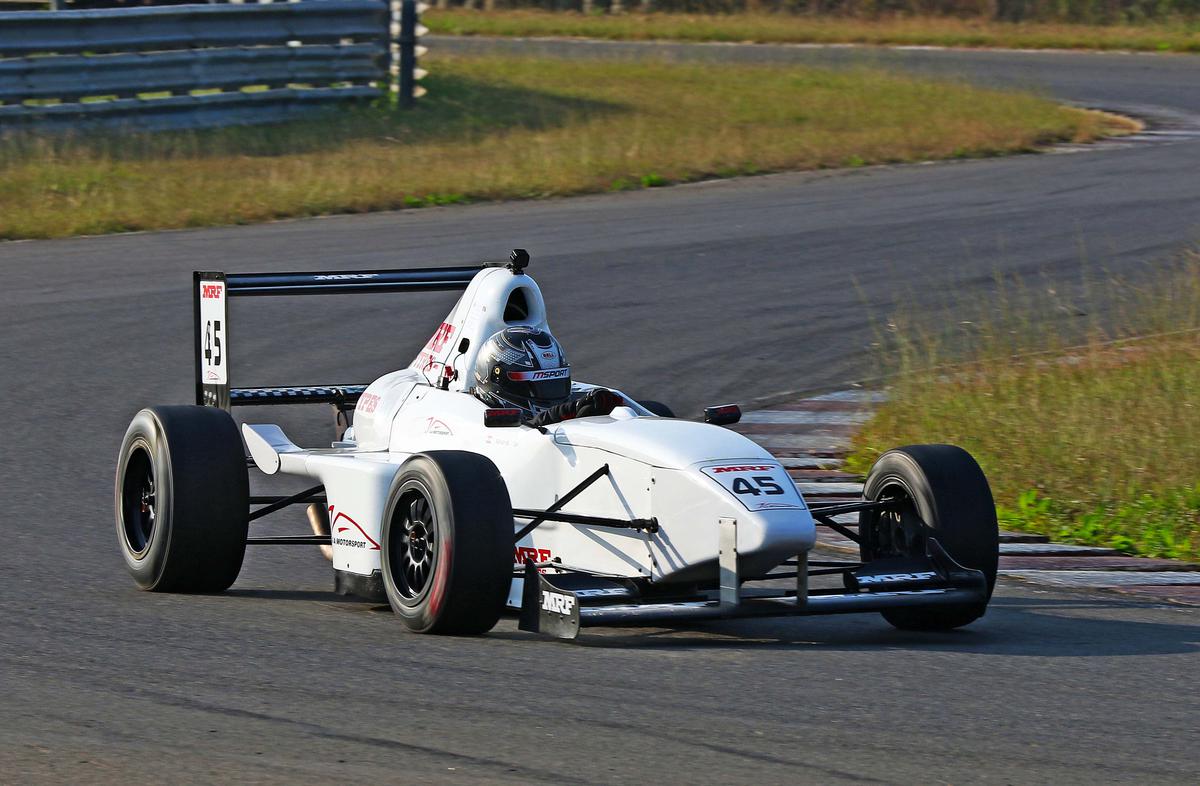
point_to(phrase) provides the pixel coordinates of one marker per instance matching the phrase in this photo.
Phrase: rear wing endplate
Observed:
(212, 291)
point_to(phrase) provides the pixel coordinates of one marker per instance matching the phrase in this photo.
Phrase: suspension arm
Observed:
(303, 496)
(648, 525)
(542, 516)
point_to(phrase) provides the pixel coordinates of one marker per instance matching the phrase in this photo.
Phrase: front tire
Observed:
(658, 408)
(940, 492)
(447, 543)
(182, 499)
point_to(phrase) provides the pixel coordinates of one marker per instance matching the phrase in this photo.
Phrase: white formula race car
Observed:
(452, 509)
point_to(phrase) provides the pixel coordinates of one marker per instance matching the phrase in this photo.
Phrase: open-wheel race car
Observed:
(482, 476)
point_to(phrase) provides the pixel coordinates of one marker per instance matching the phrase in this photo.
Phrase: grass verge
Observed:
(1098, 443)
(1176, 36)
(503, 128)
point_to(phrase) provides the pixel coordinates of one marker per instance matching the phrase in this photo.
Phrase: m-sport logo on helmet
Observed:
(539, 376)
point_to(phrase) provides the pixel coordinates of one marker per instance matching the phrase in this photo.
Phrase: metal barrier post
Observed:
(394, 38)
(405, 50)
(408, 56)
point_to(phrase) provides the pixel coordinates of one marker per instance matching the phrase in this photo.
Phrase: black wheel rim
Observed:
(896, 531)
(413, 547)
(139, 501)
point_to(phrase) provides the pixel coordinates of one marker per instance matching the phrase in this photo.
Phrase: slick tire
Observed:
(447, 545)
(945, 495)
(658, 408)
(182, 499)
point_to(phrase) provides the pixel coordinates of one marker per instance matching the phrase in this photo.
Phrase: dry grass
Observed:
(1095, 443)
(500, 128)
(1178, 36)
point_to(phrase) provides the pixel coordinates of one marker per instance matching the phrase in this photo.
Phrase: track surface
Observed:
(693, 295)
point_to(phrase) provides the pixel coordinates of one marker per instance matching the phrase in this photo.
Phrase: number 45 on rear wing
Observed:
(212, 292)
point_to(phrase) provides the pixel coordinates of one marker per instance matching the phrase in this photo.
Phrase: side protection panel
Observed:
(378, 405)
(357, 491)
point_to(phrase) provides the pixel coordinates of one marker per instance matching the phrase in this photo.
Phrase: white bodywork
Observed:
(682, 473)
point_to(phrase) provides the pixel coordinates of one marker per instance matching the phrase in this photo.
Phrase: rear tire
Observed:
(182, 499)
(943, 494)
(447, 543)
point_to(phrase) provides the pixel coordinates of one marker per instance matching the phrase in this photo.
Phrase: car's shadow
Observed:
(1079, 625)
(324, 596)
(1064, 627)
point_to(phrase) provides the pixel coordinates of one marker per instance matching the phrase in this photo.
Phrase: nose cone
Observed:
(767, 538)
(659, 442)
(689, 505)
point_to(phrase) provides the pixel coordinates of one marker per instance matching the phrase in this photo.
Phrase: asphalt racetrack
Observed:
(737, 290)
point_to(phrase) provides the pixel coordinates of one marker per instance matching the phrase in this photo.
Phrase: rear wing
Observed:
(212, 291)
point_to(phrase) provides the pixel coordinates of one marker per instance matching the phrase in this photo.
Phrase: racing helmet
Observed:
(522, 367)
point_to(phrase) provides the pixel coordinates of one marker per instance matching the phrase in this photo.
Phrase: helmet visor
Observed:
(547, 384)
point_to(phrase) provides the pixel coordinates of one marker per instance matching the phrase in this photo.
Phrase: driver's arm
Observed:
(593, 403)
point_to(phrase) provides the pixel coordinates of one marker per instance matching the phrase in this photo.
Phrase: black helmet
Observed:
(522, 367)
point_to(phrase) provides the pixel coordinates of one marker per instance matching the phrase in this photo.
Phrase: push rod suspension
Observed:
(842, 530)
(824, 514)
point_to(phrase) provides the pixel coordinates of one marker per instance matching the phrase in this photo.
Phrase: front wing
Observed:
(936, 580)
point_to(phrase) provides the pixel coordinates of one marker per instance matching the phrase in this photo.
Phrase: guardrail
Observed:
(1069, 11)
(203, 65)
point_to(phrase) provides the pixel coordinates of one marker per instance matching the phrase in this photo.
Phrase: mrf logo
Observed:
(211, 291)
(747, 468)
(522, 554)
(557, 603)
(891, 578)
